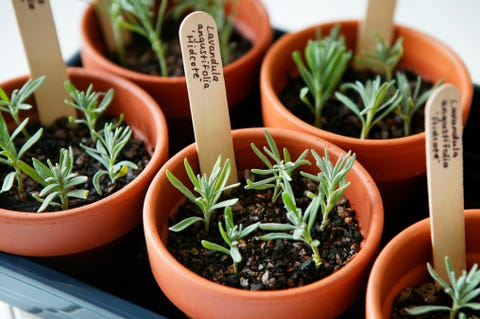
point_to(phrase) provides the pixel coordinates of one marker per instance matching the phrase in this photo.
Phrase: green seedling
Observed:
(279, 172)
(376, 99)
(231, 235)
(209, 187)
(326, 60)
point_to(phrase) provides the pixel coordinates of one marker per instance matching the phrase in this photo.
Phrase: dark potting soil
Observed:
(426, 294)
(140, 57)
(337, 118)
(62, 134)
(267, 265)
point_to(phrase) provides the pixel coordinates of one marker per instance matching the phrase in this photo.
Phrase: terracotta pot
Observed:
(386, 160)
(241, 76)
(403, 263)
(202, 298)
(93, 225)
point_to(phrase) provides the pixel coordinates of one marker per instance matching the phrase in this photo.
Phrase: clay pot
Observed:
(93, 225)
(403, 263)
(388, 160)
(241, 76)
(198, 297)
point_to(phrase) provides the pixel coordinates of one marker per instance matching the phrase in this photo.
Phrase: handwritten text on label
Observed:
(31, 3)
(445, 133)
(202, 57)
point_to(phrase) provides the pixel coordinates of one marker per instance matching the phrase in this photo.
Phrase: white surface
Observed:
(456, 23)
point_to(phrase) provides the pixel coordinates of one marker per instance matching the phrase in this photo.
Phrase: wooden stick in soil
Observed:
(105, 23)
(378, 20)
(39, 36)
(206, 91)
(443, 128)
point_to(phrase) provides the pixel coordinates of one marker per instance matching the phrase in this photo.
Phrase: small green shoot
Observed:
(376, 99)
(411, 101)
(11, 157)
(300, 226)
(140, 17)
(209, 187)
(58, 180)
(231, 235)
(383, 57)
(16, 102)
(326, 61)
(107, 149)
(87, 103)
(279, 172)
(463, 291)
(332, 181)
(223, 21)
(332, 185)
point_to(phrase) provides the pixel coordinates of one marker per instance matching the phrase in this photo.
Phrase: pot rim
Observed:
(267, 83)
(362, 259)
(419, 229)
(262, 41)
(160, 148)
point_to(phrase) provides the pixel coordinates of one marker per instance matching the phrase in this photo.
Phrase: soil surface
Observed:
(62, 134)
(425, 294)
(267, 265)
(337, 118)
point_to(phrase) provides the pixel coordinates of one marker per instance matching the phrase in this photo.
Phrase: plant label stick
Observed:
(206, 91)
(443, 128)
(39, 36)
(102, 11)
(378, 20)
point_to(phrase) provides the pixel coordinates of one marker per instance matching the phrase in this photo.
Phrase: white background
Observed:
(454, 22)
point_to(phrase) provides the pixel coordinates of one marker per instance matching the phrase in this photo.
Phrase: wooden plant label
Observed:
(378, 20)
(39, 36)
(443, 128)
(206, 91)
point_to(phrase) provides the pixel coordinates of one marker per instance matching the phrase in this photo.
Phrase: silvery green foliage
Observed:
(108, 147)
(279, 172)
(231, 235)
(332, 185)
(377, 101)
(9, 155)
(139, 16)
(58, 180)
(411, 100)
(383, 57)
(463, 290)
(87, 103)
(209, 188)
(326, 60)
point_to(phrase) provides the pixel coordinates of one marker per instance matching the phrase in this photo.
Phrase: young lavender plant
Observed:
(326, 61)
(87, 103)
(332, 181)
(463, 291)
(231, 235)
(332, 185)
(411, 100)
(279, 171)
(383, 57)
(376, 99)
(11, 157)
(16, 102)
(300, 227)
(107, 149)
(224, 22)
(209, 187)
(139, 16)
(58, 180)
